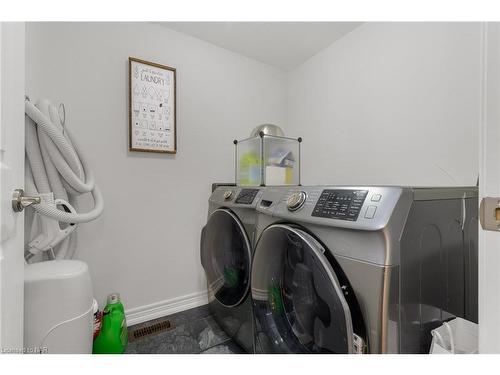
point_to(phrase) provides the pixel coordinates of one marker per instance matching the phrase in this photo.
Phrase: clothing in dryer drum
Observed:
(226, 257)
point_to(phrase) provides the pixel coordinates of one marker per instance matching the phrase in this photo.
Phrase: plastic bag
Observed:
(458, 336)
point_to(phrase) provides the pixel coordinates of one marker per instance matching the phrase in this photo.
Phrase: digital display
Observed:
(246, 196)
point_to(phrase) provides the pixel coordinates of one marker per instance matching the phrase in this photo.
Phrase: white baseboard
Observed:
(156, 310)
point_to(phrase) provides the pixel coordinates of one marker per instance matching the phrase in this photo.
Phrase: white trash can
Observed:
(58, 301)
(458, 336)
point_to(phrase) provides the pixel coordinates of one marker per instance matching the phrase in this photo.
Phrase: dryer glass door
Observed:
(299, 304)
(226, 257)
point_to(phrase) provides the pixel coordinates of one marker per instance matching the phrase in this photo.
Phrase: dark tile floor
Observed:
(195, 332)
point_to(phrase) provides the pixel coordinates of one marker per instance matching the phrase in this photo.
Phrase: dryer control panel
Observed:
(340, 204)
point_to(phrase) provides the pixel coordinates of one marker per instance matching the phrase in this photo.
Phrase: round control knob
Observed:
(296, 201)
(227, 194)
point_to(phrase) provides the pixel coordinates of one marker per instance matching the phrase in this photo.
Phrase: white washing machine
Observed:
(226, 251)
(362, 269)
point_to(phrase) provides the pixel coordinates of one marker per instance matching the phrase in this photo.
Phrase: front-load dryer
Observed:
(362, 269)
(226, 256)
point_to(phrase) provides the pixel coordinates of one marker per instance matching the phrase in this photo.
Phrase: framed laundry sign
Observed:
(152, 111)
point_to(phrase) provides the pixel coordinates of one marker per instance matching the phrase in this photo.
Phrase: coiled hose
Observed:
(55, 164)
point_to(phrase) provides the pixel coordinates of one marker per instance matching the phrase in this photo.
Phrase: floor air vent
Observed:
(150, 329)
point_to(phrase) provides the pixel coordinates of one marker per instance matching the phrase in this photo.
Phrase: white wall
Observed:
(390, 103)
(146, 244)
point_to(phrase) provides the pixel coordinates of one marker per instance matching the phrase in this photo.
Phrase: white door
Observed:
(12, 50)
(489, 185)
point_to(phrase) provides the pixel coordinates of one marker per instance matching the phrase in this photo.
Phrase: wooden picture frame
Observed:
(152, 107)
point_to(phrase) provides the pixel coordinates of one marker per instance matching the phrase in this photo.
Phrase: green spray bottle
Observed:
(113, 337)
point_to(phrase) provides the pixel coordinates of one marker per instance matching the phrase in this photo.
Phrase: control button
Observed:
(228, 194)
(370, 212)
(376, 197)
(340, 204)
(296, 201)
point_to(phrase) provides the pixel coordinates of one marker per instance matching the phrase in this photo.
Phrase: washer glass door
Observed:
(226, 257)
(298, 302)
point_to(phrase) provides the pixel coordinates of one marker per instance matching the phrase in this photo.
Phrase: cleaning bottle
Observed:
(250, 169)
(113, 337)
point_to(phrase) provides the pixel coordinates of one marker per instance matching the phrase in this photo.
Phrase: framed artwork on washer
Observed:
(152, 107)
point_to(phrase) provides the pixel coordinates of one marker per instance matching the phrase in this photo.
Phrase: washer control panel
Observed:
(340, 204)
(246, 196)
(353, 207)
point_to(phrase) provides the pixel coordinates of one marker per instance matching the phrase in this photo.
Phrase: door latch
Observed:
(489, 213)
(20, 201)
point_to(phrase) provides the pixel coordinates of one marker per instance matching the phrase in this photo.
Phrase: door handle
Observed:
(20, 201)
(489, 213)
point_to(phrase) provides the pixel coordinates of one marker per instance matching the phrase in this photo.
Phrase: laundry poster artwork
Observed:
(152, 107)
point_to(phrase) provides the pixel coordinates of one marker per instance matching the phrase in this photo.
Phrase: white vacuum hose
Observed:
(57, 171)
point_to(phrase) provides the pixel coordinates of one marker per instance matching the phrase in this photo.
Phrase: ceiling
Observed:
(282, 44)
